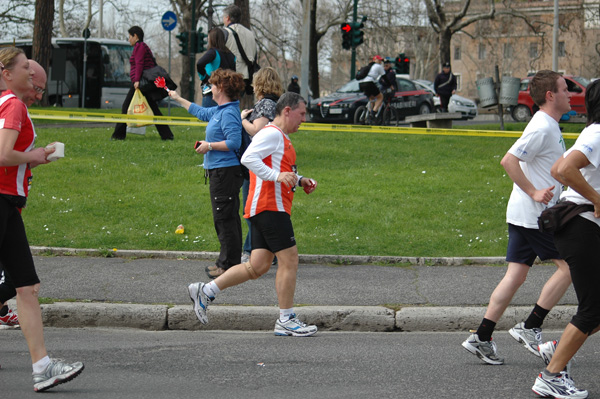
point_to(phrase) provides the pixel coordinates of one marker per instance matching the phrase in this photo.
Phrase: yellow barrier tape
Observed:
(80, 116)
(417, 130)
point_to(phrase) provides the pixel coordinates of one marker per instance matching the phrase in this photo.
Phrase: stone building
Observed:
(521, 44)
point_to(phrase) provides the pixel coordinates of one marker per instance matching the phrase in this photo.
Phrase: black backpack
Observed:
(246, 140)
(364, 71)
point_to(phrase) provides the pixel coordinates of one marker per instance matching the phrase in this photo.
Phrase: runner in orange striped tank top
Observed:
(271, 159)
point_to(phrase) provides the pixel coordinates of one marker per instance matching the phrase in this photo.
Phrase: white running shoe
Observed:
(294, 328)
(531, 338)
(201, 301)
(57, 372)
(558, 387)
(546, 351)
(485, 350)
(10, 320)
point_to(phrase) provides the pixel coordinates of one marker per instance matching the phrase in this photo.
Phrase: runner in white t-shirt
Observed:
(528, 163)
(579, 242)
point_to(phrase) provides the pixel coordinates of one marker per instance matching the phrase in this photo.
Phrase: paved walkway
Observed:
(144, 289)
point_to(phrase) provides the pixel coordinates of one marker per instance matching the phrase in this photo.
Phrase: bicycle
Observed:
(386, 115)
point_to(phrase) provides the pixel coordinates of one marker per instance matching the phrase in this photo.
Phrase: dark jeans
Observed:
(207, 101)
(225, 184)
(121, 128)
(579, 244)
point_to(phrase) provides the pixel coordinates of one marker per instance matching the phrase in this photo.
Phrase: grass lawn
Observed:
(378, 194)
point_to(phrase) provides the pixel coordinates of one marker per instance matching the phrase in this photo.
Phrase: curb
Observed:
(261, 318)
(305, 259)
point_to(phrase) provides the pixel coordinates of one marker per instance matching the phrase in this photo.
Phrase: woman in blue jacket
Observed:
(217, 56)
(223, 139)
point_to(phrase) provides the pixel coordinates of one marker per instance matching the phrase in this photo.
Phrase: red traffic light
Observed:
(346, 27)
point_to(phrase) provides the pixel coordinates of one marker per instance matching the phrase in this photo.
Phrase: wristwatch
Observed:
(209, 147)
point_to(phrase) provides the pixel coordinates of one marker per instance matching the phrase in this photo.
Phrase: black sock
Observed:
(4, 310)
(485, 330)
(536, 318)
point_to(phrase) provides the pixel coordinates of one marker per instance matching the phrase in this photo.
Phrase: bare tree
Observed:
(446, 24)
(16, 17)
(42, 35)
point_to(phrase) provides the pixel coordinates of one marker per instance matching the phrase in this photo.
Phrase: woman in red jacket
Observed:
(141, 58)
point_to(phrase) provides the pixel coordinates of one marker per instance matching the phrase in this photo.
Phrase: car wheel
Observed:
(360, 115)
(424, 109)
(521, 113)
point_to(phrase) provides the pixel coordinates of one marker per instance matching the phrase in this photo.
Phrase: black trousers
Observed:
(15, 254)
(444, 101)
(225, 184)
(579, 244)
(121, 128)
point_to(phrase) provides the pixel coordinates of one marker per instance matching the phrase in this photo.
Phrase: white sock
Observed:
(41, 365)
(211, 289)
(285, 314)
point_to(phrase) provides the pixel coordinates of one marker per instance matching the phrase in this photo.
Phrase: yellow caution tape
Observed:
(81, 116)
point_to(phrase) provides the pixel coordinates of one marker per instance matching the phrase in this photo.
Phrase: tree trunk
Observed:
(42, 35)
(445, 40)
(313, 57)
(244, 5)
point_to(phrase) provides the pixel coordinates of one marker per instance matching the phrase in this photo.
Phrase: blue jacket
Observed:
(224, 124)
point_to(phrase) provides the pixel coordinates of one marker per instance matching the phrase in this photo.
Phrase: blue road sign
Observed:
(169, 20)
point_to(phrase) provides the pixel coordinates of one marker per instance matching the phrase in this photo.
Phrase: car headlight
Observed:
(456, 102)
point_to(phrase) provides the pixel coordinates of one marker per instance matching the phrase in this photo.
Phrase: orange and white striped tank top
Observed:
(278, 155)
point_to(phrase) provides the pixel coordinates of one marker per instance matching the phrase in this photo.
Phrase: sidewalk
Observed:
(148, 290)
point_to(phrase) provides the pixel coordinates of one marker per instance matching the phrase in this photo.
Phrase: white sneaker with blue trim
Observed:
(294, 328)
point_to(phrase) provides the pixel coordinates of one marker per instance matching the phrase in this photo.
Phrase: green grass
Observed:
(378, 194)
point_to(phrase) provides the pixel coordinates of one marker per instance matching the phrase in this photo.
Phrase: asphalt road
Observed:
(140, 364)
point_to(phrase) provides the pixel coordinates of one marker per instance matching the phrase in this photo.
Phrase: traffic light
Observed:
(200, 41)
(357, 33)
(346, 36)
(402, 64)
(183, 42)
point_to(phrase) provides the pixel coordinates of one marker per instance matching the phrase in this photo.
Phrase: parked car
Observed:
(457, 103)
(340, 106)
(576, 85)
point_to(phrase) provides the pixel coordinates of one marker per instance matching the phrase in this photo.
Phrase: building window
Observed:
(561, 49)
(533, 50)
(481, 51)
(590, 13)
(458, 81)
(508, 50)
(457, 53)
